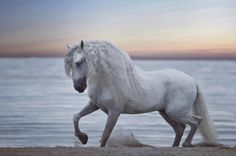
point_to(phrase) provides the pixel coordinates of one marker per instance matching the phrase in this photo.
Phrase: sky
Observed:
(143, 28)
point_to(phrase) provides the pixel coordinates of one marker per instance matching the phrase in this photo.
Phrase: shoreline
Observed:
(116, 151)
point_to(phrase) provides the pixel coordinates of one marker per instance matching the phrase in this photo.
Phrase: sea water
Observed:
(37, 102)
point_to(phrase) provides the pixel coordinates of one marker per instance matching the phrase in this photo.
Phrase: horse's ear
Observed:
(82, 44)
(68, 46)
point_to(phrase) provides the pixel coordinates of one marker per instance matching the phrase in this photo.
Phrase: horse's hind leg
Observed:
(193, 122)
(177, 126)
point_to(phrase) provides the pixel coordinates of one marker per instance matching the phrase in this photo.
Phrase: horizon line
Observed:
(142, 57)
(226, 55)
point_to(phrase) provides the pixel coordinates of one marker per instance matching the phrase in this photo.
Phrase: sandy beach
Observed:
(124, 151)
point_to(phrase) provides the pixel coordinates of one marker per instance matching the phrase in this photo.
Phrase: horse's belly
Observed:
(152, 99)
(137, 108)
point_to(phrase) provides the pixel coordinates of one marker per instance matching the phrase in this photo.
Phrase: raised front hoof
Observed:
(83, 138)
(188, 145)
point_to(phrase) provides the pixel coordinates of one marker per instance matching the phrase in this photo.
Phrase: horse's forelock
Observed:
(68, 62)
(69, 58)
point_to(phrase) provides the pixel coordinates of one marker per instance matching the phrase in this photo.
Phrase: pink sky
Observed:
(154, 28)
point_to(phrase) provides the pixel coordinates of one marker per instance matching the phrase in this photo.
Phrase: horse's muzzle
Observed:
(80, 89)
(80, 85)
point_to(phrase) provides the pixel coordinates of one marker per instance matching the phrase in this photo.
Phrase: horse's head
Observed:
(77, 66)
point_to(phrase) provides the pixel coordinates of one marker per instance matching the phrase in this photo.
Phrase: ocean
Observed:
(37, 102)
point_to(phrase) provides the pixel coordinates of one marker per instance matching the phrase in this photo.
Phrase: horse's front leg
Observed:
(89, 108)
(112, 118)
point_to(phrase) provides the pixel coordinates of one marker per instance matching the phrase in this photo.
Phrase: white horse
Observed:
(116, 86)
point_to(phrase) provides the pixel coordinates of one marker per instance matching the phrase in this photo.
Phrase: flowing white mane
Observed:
(114, 65)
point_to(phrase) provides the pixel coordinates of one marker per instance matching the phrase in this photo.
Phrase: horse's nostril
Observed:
(79, 88)
(80, 85)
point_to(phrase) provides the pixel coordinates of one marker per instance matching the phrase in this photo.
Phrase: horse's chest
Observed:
(103, 100)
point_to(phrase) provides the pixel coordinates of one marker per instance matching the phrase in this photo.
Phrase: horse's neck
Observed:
(139, 73)
(103, 80)
(136, 83)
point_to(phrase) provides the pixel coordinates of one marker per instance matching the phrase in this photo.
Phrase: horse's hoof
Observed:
(187, 145)
(83, 138)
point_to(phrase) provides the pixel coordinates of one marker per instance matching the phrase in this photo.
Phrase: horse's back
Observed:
(173, 78)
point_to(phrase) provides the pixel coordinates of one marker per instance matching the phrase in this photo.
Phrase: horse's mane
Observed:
(68, 60)
(115, 66)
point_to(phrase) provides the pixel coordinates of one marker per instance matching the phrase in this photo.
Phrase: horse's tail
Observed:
(206, 127)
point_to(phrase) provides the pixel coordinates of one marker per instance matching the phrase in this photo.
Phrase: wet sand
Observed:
(124, 151)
